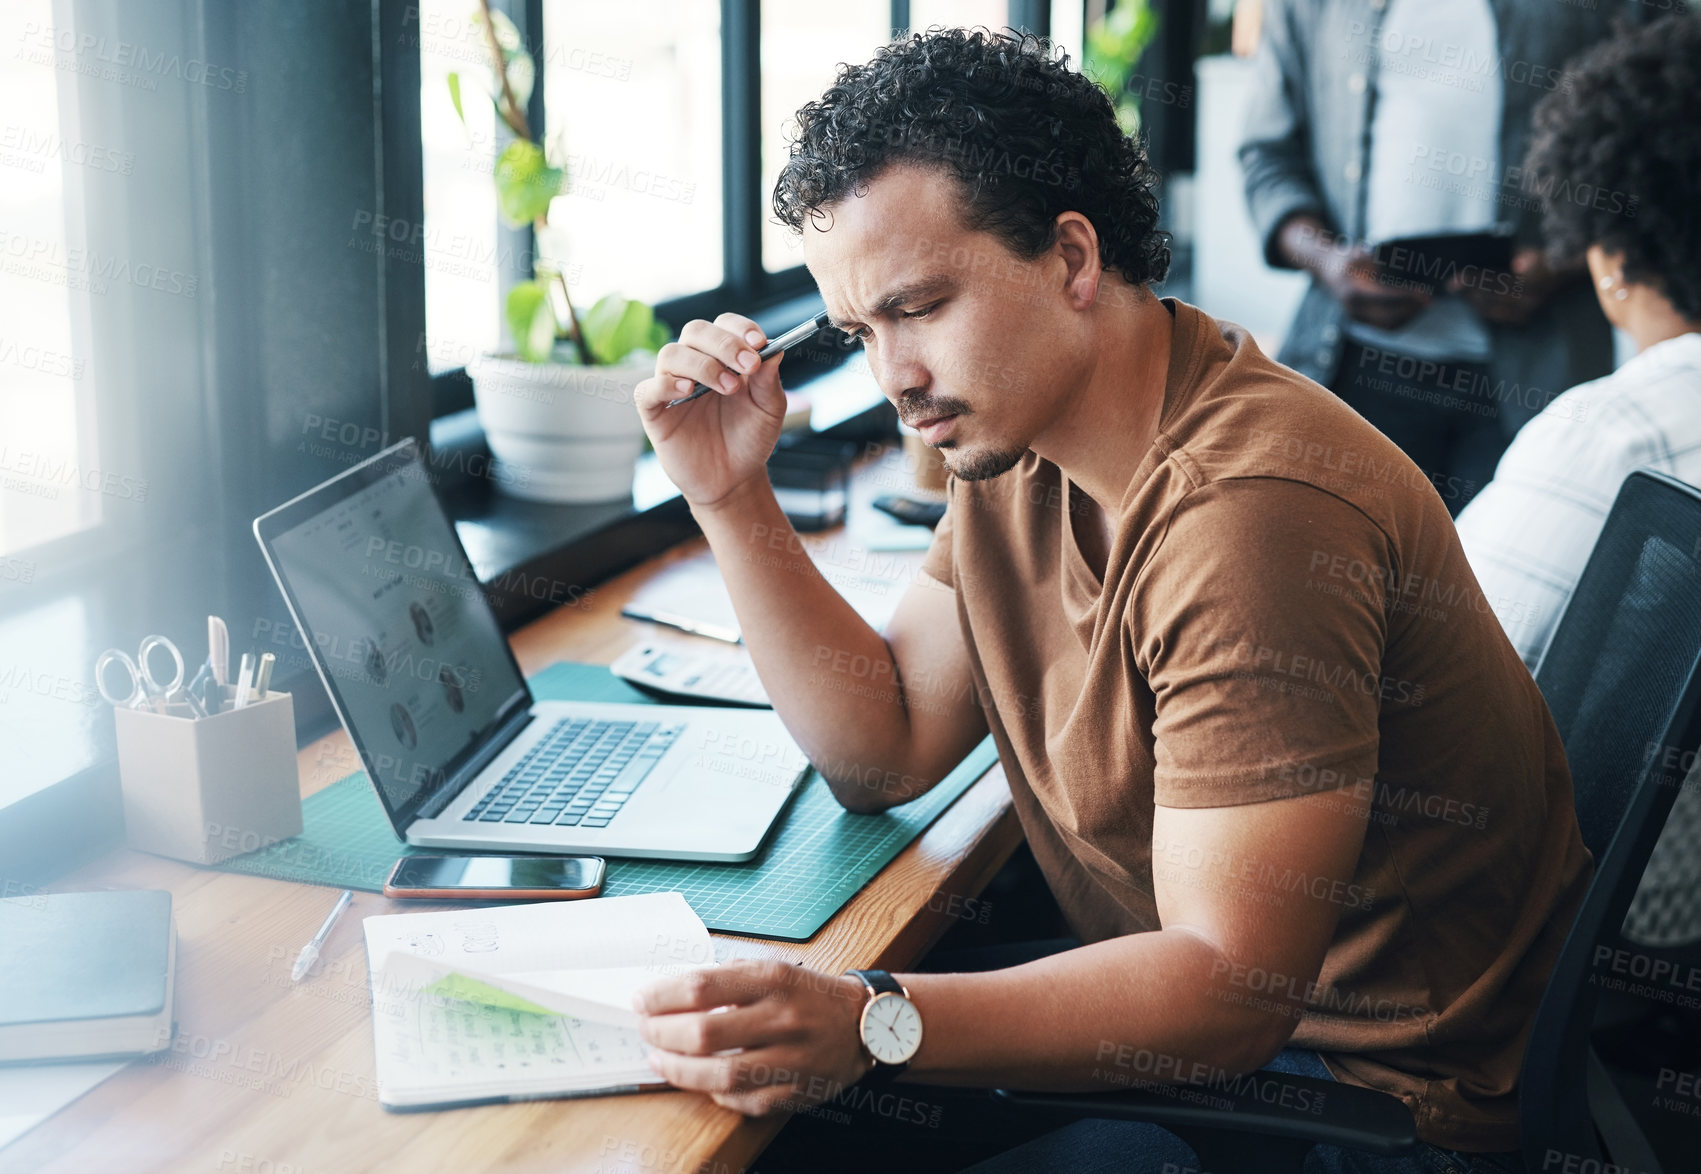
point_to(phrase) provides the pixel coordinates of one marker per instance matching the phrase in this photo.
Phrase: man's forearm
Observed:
(1157, 1007)
(801, 632)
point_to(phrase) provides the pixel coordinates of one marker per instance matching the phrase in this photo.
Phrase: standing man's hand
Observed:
(1513, 303)
(1354, 276)
(758, 1037)
(1365, 291)
(720, 441)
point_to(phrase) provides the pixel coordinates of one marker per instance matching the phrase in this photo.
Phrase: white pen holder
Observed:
(206, 789)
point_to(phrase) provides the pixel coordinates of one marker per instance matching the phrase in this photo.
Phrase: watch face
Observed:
(891, 1028)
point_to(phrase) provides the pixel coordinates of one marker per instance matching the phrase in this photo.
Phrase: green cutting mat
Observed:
(818, 857)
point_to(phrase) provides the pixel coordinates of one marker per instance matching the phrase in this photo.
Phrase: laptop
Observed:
(459, 751)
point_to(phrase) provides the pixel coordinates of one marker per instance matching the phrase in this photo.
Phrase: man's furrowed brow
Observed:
(910, 291)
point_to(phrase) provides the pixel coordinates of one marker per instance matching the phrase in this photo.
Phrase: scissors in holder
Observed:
(146, 690)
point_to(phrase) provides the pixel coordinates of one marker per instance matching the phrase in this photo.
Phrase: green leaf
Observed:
(615, 327)
(1128, 115)
(525, 183)
(1113, 50)
(531, 321)
(660, 332)
(455, 96)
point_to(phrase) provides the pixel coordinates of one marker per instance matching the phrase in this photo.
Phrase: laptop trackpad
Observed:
(708, 780)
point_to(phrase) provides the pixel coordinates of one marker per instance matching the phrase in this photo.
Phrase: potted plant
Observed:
(558, 410)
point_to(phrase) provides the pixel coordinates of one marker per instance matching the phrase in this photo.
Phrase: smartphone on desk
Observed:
(911, 511)
(475, 876)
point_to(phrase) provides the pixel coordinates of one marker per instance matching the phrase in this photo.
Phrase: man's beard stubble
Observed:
(976, 466)
(981, 466)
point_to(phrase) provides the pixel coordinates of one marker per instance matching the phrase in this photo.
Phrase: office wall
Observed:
(1230, 278)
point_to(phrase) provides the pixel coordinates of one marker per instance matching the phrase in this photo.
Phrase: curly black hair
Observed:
(1026, 136)
(1616, 156)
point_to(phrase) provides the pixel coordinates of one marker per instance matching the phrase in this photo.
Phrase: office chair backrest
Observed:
(1621, 678)
(1625, 646)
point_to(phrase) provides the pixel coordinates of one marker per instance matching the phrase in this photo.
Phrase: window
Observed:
(632, 94)
(47, 418)
(633, 110)
(802, 46)
(992, 14)
(463, 258)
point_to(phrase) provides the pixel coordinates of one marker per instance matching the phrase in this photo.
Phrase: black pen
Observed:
(800, 333)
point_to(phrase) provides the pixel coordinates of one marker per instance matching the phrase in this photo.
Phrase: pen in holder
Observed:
(204, 789)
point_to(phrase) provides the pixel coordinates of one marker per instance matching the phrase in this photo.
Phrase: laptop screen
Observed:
(399, 625)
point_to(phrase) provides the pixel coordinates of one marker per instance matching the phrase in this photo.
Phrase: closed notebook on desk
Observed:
(85, 974)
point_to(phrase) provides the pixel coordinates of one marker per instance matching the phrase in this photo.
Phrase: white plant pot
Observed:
(560, 432)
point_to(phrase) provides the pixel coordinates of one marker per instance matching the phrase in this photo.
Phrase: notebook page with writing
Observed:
(600, 996)
(435, 1051)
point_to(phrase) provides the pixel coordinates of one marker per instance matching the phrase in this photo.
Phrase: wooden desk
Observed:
(269, 1078)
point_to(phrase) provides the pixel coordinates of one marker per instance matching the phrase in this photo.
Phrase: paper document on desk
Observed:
(691, 595)
(521, 1001)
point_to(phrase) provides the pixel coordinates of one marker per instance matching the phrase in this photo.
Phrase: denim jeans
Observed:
(1131, 1147)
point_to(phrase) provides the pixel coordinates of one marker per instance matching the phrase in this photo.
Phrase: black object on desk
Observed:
(811, 479)
(910, 510)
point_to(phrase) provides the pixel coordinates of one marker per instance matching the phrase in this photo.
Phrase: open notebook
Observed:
(521, 1002)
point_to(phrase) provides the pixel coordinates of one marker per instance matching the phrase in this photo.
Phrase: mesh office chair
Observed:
(1622, 676)
(1666, 910)
(1621, 679)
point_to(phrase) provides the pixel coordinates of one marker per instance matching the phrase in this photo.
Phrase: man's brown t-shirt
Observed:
(1286, 609)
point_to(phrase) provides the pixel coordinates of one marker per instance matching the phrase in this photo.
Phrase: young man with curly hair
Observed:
(1294, 790)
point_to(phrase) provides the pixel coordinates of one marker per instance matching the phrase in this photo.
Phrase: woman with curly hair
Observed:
(1617, 154)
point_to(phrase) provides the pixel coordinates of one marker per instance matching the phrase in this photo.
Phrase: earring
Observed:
(1620, 293)
(1606, 281)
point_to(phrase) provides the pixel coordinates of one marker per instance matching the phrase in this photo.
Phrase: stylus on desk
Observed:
(800, 333)
(310, 952)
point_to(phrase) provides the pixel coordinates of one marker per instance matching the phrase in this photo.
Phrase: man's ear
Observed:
(1078, 244)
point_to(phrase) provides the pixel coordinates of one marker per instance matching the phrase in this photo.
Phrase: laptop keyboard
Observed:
(579, 774)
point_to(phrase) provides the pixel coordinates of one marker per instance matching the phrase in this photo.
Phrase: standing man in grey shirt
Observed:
(1372, 120)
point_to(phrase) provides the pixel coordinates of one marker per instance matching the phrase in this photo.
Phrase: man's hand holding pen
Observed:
(716, 444)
